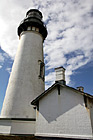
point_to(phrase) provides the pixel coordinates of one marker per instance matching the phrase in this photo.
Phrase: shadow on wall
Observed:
(67, 104)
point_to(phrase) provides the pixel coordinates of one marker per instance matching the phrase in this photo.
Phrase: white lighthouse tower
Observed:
(27, 77)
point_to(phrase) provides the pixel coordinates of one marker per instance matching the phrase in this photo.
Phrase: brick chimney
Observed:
(60, 75)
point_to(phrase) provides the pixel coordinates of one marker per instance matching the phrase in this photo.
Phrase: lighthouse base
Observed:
(17, 126)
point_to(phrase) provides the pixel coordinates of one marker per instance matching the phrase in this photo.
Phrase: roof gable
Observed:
(58, 84)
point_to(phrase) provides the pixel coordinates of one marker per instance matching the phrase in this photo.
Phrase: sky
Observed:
(69, 42)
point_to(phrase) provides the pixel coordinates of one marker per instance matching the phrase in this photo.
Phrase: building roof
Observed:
(35, 101)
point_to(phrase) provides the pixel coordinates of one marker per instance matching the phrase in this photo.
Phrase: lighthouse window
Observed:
(29, 28)
(41, 73)
(33, 28)
(37, 29)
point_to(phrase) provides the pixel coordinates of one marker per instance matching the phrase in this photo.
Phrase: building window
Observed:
(42, 70)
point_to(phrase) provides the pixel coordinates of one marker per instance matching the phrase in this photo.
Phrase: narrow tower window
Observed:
(42, 70)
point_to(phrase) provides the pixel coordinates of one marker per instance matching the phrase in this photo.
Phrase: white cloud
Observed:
(0, 66)
(1, 58)
(12, 12)
(8, 70)
(69, 23)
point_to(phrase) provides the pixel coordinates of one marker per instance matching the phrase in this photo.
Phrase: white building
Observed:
(60, 111)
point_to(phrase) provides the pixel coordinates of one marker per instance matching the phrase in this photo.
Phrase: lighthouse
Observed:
(27, 77)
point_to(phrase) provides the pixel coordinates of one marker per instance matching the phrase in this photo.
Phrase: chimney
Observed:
(60, 75)
(80, 88)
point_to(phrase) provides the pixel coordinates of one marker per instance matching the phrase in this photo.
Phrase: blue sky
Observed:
(69, 42)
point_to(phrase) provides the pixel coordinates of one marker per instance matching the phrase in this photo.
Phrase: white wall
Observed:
(17, 127)
(63, 115)
(90, 106)
(5, 126)
(23, 127)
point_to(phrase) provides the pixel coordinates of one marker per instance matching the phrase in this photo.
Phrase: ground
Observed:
(5, 137)
(17, 137)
